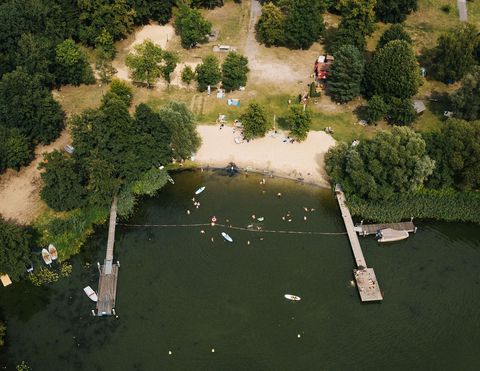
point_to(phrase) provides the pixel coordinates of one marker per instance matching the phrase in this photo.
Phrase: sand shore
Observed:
(271, 154)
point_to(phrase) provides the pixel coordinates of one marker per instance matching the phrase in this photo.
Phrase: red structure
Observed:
(321, 68)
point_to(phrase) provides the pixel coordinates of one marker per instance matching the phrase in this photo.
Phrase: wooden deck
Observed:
(366, 229)
(107, 290)
(366, 279)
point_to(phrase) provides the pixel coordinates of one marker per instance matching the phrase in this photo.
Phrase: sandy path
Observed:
(295, 160)
(20, 191)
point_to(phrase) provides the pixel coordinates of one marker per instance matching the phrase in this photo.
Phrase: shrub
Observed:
(188, 75)
(376, 109)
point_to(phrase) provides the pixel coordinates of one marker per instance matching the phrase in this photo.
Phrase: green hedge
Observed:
(446, 205)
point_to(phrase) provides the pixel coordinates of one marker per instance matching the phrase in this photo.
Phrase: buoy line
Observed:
(230, 227)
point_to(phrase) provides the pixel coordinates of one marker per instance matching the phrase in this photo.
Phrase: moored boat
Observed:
(90, 293)
(391, 235)
(47, 258)
(200, 190)
(227, 237)
(53, 252)
(292, 297)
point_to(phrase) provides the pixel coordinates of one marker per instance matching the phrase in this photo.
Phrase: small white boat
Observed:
(91, 294)
(200, 190)
(391, 235)
(292, 297)
(227, 237)
(170, 179)
(53, 252)
(47, 258)
(261, 219)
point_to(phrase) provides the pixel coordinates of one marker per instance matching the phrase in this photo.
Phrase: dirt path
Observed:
(20, 191)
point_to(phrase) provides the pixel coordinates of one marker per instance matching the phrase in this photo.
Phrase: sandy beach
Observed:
(271, 153)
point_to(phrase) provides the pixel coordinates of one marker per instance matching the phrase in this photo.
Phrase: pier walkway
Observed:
(107, 283)
(366, 229)
(365, 277)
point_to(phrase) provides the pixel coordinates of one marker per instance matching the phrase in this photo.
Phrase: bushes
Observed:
(188, 75)
(376, 109)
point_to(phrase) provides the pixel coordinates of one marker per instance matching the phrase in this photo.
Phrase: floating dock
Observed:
(107, 283)
(367, 229)
(365, 277)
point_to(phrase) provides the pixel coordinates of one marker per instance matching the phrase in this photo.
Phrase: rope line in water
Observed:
(231, 227)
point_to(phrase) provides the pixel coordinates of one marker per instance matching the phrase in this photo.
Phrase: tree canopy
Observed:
(394, 11)
(72, 64)
(15, 149)
(270, 25)
(346, 74)
(208, 72)
(299, 120)
(377, 168)
(254, 120)
(466, 100)
(394, 32)
(14, 249)
(191, 26)
(234, 71)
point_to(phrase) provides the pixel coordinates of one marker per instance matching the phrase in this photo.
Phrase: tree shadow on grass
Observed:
(438, 103)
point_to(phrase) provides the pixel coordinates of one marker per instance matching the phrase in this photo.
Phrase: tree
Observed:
(299, 120)
(254, 120)
(188, 75)
(394, 32)
(456, 152)
(14, 249)
(346, 74)
(234, 71)
(454, 54)
(270, 25)
(394, 11)
(184, 136)
(30, 107)
(122, 90)
(72, 65)
(191, 26)
(303, 22)
(104, 45)
(466, 100)
(358, 22)
(394, 71)
(15, 149)
(208, 72)
(376, 109)
(392, 161)
(145, 63)
(209, 4)
(170, 60)
(401, 111)
(62, 182)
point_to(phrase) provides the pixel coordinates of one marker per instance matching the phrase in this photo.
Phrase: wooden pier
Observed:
(367, 229)
(365, 277)
(107, 283)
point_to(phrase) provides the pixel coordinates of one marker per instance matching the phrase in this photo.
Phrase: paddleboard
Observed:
(227, 237)
(90, 293)
(200, 190)
(53, 252)
(292, 297)
(47, 258)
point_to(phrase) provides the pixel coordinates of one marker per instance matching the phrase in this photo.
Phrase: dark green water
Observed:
(180, 292)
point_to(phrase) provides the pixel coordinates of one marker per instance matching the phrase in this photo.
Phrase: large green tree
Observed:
(72, 66)
(303, 22)
(456, 152)
(234, 71)
(28, 106)
(454, 54)
(254, 120)
(401, 111)
(192, 27)
(270, 25)
(145, 63)
(466, 100)
(208, 72)
(14, 249)
(392, 161)
(15, 149)
(394, 11)
(394, 71)
(358, 22)
(376, 109)
(299, 120)
(346, 74)
(394, 32)
(170, 60)
(62, 182)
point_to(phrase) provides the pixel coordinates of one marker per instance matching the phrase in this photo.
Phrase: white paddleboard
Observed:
(227, 237)
(292, 297)
(200, 190)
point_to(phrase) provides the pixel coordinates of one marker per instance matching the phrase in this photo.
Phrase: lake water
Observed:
(180, 292)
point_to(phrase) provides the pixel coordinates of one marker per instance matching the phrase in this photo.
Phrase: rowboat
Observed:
(53, 252)
(90, 293)
(200, 190)
(227, 237)
(391, 235)
(292, 297)
(47, 258)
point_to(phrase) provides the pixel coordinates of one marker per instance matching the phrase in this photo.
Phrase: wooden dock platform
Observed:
(107, 282)
(365, 277)
(367, 229)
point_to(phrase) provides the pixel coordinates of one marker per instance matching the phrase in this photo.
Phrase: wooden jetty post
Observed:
(367, 283)
(107, 283)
